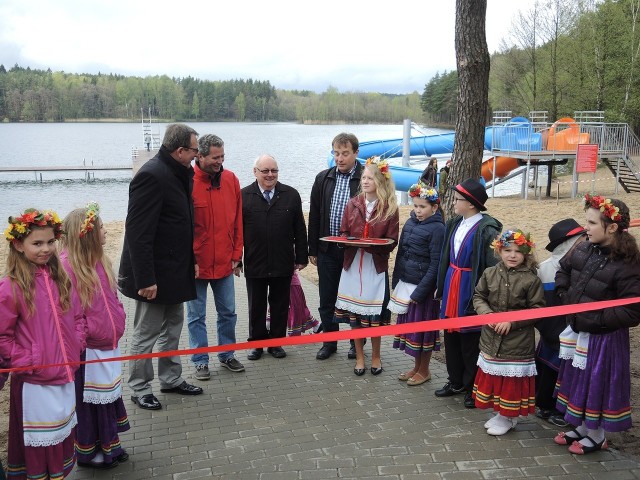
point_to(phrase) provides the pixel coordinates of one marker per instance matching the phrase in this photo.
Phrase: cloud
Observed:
(353, 45)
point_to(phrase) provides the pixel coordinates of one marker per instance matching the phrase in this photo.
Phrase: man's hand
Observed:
(299, 266)
(149, 292)
(237, 267)
(197, 270)
(314, 261)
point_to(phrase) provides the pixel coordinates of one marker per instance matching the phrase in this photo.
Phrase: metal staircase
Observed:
(626, 168)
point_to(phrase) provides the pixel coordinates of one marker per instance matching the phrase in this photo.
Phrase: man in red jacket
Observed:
(217, 245)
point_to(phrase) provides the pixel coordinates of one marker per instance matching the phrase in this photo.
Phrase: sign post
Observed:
(586, 161)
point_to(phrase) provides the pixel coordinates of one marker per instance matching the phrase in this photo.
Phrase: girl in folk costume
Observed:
(506, 364)
(300, 319)
(595, 379)
(101, 412)
(363, 291)
(414, 280)
(40, 324)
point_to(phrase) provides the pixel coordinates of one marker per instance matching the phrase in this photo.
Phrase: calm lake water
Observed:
(301, 151)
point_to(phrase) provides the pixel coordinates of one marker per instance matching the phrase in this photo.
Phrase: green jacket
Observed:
(502, 289)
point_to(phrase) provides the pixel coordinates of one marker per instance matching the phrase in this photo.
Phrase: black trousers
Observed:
(545, 386)
(461, 353)
(329, 271)
(276, 293)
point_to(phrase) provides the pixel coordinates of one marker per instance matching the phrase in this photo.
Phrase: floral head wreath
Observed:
(93, 210)
(514, 237)
(20, 227)
(424, 191)
(605, 206)
(382, 165)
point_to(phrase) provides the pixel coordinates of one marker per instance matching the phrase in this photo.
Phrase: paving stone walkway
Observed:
(300, 418)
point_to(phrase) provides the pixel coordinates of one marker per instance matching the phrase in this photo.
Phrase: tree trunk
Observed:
(472, 58)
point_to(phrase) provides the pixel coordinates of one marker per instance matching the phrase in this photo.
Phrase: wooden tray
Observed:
(358, 242)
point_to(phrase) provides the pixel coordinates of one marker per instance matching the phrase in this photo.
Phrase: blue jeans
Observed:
(224, 296)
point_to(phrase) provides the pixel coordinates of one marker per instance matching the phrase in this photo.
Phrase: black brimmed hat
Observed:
(474, 192)
(562, 231)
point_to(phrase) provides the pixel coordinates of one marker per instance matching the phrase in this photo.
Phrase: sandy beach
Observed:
(535, 215)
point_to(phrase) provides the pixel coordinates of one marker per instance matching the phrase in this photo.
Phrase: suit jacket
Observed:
(275, 235)
(158, 240)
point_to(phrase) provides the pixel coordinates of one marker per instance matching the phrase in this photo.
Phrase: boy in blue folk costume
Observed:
(465, 255)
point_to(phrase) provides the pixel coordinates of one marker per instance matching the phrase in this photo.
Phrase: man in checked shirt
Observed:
(331, 191)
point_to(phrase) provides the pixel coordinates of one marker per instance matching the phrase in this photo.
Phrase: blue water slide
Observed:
(426, 145)
(517, 134)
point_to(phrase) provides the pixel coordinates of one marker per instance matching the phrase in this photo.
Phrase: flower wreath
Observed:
(603, 204)
(424, 191)
(20, 227)
(93, 210)
(382, 165)
(518, 237)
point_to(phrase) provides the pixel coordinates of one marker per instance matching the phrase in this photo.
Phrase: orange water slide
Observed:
(504, 166)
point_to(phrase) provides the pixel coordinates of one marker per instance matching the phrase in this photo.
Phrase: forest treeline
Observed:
(560, 56)
(31, 95)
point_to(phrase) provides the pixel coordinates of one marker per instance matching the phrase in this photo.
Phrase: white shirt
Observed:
(463, 228)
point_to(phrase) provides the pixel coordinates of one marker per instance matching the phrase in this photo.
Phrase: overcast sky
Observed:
(353, 45)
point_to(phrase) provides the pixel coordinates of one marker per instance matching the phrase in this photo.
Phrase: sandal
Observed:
(563, 438)
(580, 449)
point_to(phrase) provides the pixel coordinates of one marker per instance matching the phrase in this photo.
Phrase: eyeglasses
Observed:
(267, 170)
(457, 199)
(195, 150)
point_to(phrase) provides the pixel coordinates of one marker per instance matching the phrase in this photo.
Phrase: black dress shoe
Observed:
(352, 353)
(183, 389)
(326, 351)
(277, 352)
(469, 402)
(255, 354)
(449, 389)
(148, 402)
(376, 370)
(359, 371)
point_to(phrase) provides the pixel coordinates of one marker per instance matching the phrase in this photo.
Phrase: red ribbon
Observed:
(388, 330)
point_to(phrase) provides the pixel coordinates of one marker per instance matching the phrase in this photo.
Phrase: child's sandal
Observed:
(563, 438)
(578, 448)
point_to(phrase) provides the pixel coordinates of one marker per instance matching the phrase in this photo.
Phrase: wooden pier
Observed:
(88, 170)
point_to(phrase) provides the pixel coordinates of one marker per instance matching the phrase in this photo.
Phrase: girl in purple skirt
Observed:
(594, 379)
(101, 412)
(414, 280)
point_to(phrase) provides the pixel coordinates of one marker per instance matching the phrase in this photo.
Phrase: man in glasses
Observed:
(275, 242)
(157, 267)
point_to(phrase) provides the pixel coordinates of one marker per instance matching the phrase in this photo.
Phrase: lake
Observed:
(301, 152)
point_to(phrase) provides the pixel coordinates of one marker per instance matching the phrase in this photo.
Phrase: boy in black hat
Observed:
(465, 255)
(563, 236)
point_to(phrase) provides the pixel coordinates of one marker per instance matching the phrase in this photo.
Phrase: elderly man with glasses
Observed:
(275, 243)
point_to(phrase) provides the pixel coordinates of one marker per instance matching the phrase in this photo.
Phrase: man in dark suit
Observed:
(331, 191)
(157, 268)
(275, 242)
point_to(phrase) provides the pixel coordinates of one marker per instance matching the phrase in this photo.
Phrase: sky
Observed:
(352, 45)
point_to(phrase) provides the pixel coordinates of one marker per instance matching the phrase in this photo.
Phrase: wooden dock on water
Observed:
(89, 170)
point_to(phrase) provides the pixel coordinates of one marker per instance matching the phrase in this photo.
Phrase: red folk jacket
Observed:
(353, 222)
(217, 238)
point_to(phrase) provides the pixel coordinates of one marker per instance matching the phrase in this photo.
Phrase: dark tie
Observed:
(267, 195)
